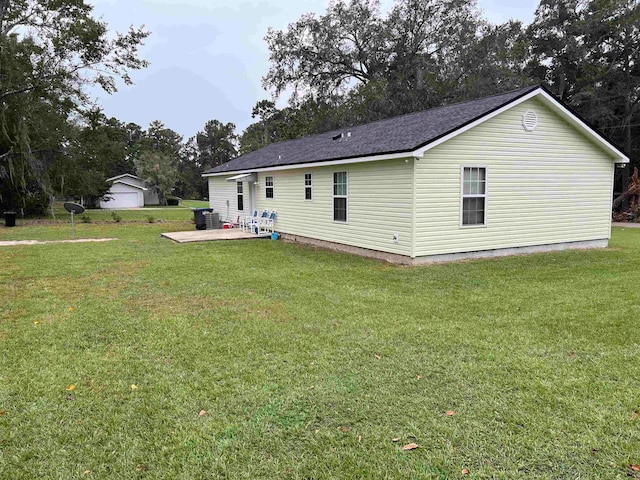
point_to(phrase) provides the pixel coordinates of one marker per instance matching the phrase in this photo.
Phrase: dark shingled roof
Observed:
(404, 133)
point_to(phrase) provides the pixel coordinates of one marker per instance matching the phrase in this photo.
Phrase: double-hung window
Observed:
(240, 196)
(474, 196)
(340, 192)
(268, 187)
(308, 186)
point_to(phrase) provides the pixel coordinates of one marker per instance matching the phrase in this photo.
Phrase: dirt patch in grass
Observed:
(15, 243)
(160, 306)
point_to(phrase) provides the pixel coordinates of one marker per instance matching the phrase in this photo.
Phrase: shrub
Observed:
(85, 218)
(116, 216)
(151, 219)
(174, 201)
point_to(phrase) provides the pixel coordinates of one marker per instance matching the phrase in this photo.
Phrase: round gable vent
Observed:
(529, 120)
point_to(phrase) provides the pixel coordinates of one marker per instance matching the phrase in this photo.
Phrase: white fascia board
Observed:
(550, 101)
(372, 158)
(123, 175)
(243, 177)
(622, 158)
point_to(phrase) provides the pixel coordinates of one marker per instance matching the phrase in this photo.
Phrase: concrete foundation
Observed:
(450, 257)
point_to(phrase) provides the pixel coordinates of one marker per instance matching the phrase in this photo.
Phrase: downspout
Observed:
(613, 180)
(413, 208)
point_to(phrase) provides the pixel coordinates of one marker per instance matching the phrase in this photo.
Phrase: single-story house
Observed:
(128, 191)
(511, 173)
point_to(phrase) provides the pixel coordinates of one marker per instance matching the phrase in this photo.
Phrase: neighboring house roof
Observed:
(130, 184)
(122, 176)
(406, 135)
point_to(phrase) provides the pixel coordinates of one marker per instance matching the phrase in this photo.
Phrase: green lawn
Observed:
(101, 223)
(309, 364)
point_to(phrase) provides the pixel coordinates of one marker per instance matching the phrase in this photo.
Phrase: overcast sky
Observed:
(208, 56)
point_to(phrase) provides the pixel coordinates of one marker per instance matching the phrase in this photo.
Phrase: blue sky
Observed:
(208, 56)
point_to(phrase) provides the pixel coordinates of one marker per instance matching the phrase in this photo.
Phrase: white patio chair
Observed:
(246, 221)
(255, 222)
(266, 225)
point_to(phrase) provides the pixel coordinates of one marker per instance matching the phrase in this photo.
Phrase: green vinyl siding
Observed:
(546, 186)
(551, 185)
(379, 196)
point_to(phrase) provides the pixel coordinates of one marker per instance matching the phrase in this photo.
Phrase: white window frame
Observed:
(267, 186)
(310, 187)
(333, 197)
(239, 194)
(485, 196)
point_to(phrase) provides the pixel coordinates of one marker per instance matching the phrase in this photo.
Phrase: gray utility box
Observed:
(212, 220)
(198, 217)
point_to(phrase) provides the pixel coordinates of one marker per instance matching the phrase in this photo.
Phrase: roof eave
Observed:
(321, 163)
(130, 185)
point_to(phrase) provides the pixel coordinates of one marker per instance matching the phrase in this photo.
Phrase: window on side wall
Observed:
(240, 196)
(474, 196)
(340, 196)
(308, 186)
(268, 187)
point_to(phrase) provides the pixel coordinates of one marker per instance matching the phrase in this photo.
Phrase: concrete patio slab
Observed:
(212, 235)
(625, 224)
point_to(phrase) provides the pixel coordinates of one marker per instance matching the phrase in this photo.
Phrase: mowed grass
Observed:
(150, 214)
(313, 364)
(101, 224)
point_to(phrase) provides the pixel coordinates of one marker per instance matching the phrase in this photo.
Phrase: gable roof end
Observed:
(121, 176)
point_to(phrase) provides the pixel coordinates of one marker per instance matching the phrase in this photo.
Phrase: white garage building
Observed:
(127, 191)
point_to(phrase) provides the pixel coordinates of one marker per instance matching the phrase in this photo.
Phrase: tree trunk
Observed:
(617, 203)
(52, 200)
(4, 5)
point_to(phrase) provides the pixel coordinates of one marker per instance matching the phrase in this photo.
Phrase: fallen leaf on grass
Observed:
(202, 413)
(378, 357)
(316, 431)
(465, 471)
(71, 309)
(450, 413)
(409, 446)
(635, 468)
(419, 377)
(134, 386)
(2, 412)
(71, 387)
(344, 429)
(36, 323)
(394, 440)
(359, 438)
(87, 472)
